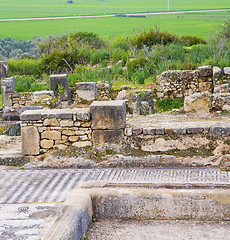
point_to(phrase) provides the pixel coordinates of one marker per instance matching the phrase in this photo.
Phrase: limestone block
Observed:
(66, 123)
(86, 91)
(223, 88)
(220, 130)
(194, 130)
(149, 131)
(160, 131)
(81, 114)
(7, 87)
(102, 137)
(79, 133)
(82, 144)
(85, 124)
(146, 95)
(137, 131)
(132, 101)
(128, 131)
(51, 122)
(30, 140)
(227, 70)
(179, 131)
(59, 85)
(64, 115)
(217, 72)
(68, 132)
(205, 71)
(31, 115)
(109, 115)
(3, 70)
(83, 137)
(52, 135)
(198, 102)
(73, 138)
(46, 143)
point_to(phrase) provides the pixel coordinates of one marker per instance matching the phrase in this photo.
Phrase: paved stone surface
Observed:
(27, 221)
(30, 200)
(21, 186)
(155, 230)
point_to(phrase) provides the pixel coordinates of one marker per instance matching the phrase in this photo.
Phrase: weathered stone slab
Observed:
(102, 137)
(82, 115)
(205, 71)
(59, 85)
(217, 72)
(13, 113)
(3, 70)
(109, 115)
(194, 130)
(47, 143)
(146, 96)
(86, 91)
(82, 144)
(51, 135)
(30, 141)
(132, 101)
(198, 102)
(31, 115)
(220, 130)
(7, 87)
(227, 70)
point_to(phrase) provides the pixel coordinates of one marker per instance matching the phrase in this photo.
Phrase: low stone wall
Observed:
(43, 130)
(45, 98)
(206, 140)
(179, 84)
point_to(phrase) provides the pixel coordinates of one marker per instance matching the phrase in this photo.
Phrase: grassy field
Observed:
(197, 24)
(44, 8)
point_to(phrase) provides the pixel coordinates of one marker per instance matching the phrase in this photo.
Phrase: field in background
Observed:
(197, 24)
(44, 8)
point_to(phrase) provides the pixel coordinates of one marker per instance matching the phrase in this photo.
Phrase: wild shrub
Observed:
(192, 40)
(24, 66)
(30, 84)
(153, 37)
(97, 56)
(168, 104)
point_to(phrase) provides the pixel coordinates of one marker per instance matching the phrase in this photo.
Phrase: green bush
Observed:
(192, 40)
(153, 37)
(24, 67)
(98, 56)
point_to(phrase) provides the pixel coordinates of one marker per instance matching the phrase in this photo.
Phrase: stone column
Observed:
(59, 85)
(7, 87)
(108, 120)
(3, 70)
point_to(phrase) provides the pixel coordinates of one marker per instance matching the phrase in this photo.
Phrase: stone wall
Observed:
(181, 140)
(179, 84)
(43, 98)
(43, 130)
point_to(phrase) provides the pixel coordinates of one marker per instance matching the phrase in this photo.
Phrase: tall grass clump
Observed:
(24, 66)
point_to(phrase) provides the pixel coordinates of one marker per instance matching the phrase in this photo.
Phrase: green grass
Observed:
(44, 8)
(201, 25)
